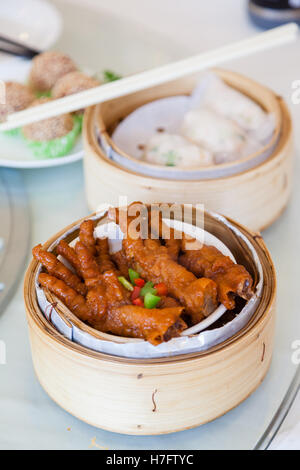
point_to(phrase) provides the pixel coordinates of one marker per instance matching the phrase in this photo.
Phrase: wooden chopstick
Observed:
(263, 41)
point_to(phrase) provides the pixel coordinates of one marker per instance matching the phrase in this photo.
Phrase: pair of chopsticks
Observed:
(263, 41)
(10, 46)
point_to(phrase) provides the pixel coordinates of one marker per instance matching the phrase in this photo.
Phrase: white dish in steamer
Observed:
(126, 145)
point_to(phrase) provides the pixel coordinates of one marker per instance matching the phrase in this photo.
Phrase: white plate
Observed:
(14, 152)
(35, 23)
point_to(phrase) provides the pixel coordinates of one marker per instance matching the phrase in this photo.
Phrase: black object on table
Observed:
(10, 46)
(272, 13)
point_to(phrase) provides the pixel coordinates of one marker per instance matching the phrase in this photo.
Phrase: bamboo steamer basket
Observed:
(162, 395)
(255, 197)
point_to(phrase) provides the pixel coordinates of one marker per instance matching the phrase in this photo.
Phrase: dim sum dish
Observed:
(50, 138)
(215, 118)
(17, 98)
(146, 289)
(53, 137)
(138, 299)
(50, 75)
(47, 68)
(222, 130)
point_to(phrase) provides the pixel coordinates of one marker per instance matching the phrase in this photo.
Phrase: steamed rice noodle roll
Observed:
(174, 150)
(219, 135)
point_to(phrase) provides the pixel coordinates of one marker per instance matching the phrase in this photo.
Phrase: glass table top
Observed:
(29, 418)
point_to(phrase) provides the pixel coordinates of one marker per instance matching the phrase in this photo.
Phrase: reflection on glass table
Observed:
(14, 232)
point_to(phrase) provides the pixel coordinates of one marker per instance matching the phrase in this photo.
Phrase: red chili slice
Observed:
(161, 289)
(136, 293)
(138, 302)
(139, 282)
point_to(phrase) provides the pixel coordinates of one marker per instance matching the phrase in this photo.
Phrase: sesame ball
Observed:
(48, 129)
(49, 67)
(17, 98)
(73, 82)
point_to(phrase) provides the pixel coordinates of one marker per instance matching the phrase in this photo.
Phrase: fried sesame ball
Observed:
(49, 67)
(48, 129)
(17, 98)
(73, 82)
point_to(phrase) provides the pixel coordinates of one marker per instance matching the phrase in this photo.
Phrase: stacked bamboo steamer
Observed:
(254, 196)
(162, 395)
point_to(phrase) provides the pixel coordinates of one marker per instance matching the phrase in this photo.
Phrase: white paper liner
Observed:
(176, 346)
(167, 113)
